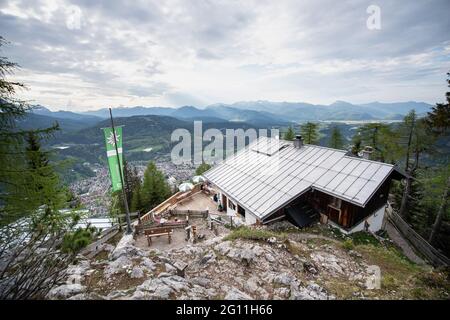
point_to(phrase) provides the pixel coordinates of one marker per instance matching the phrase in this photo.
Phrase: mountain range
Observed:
(267, 112)
(148, 129)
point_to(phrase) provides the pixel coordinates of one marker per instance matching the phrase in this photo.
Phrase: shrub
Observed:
(388, 282)
(348, 244)
(77, 240)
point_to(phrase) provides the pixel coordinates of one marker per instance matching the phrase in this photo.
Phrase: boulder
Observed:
(121, 264)
(236, 294)
(208, 258)
(153, 289)
(201, 281)
(137, 273)
(66, 290)
(311, 292)
(223, 248)
(283, 279)
(147, 264)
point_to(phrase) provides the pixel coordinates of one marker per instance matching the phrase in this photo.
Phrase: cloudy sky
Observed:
(82, 55)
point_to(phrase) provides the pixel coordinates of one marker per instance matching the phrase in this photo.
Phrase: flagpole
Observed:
(124, 195)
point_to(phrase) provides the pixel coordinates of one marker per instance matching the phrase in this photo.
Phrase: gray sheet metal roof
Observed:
(269, 173)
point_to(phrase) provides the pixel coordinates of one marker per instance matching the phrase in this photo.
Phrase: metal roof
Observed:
(269, 173)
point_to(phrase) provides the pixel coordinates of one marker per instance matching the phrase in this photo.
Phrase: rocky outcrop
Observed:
(213, 269)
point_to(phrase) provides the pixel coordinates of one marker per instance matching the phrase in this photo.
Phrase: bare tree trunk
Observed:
(442, 208)
(406, 192)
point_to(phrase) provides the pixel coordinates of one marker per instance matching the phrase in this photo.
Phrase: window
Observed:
(336, 202)
(231, 205)
(241, 211)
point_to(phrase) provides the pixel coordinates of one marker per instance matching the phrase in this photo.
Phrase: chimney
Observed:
(298, 142)
(366, 152)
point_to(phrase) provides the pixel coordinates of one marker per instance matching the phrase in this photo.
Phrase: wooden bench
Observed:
(157, 232)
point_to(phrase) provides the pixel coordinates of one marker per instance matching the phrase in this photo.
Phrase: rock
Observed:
(160, 288)
(355, 254)
(87, 296)
(235, 294)
(210, 257)
(116, 294)
(153, 289)
(126, 247)
(176, 283)
(280, 293)
(310, 268)
(121, 264)
(147, 264)
(137, 273)
(201, 281)
(65, 291)
(312, 292)
(328, 261)
(283, 279)
(270, 258)
(272, 240)
(223, 248)
(245, 255)
(170, 268)
(251, 285)
(164, 274)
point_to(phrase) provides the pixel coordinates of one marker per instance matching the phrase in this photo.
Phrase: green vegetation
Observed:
(310, 132)
(31, 199)
(202, 169)
(249, 233)
(336, 139)
(289, 134)
(362, 237)
(348, 244)
(74, 241)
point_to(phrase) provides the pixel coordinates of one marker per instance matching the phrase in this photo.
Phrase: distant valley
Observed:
(147, 130)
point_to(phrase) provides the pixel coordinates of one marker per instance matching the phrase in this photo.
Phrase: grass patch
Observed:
(248, 233)
(388, 282)
(363, 237)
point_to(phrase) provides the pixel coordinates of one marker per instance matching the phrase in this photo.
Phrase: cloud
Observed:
(88, 54)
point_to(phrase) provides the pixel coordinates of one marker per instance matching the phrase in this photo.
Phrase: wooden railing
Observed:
(168, 203)
(420, 244)
(189, 213)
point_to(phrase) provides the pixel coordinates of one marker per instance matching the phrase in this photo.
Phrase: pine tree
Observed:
(29, 188)
(155, 188)
(336, 139)
(136, 203)
(289, 134)
(439, 118)
(356, 147)
(310, 132)
(131, 179)
(382, 139)
(415, 138)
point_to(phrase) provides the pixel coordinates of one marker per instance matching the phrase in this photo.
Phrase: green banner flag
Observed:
(112, 157)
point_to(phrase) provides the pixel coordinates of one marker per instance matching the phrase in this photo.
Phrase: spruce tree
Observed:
(289, 134)
(382, 139)
(136, 203)
(30, 192)
(336, 139)
(154, 188)
(310, 132)
(439, 118)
